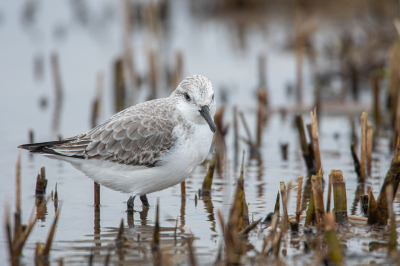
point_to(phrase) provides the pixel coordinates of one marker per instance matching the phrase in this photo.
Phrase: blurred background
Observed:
(67, 65)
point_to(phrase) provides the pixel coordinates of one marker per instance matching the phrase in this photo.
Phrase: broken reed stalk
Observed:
(392, 178)
(335, 253)
(298, 203)
(246, 127)
(219, 139)
(393, 233)
(363, 144)
(310, 211)
(208, 179)
(155, 245)
(299, 63)
(370, 136)
(31, 136)
(17, 246)
(178, 72)
(119, 86)
(183, 189)
(307, 154)
(192, 258)
(285, 222)
(13, 259)
(357, 168)
(339, 196)
(49, 240)
(41, 183)
(376, 91)
(236, 134)
(236, 222)
(127, 41)
(119, 241)
(277, 204)
(97, 100)
(394, 80)
(261, 112)
(56, 198)
(153, 75)
(373, 212)
(364, 199)
(58, 92)
(316, 182)
(275, 236)
(96, 194)
(315, 142)
(248, 228)
(328, 202)
(17, 216)
(243, 208)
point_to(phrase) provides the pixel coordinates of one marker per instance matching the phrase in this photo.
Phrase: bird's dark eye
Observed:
(187, 97)
(213, 97)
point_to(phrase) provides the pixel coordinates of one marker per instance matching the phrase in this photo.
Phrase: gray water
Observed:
(211, 47)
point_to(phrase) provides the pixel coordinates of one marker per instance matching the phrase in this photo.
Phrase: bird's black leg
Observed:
(130, 203)
(144, 200)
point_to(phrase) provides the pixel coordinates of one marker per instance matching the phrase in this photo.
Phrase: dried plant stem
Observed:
(376, 101)
(127, 42)
(315, 142)
(47, 247)
(356, 162)
(285, 222)
(153, 74)
(339, 196)
(393, 233)
(155, 245)
(96, 194)
(310, 211)
(392, 178)
(248, 228)
(277, 204)
(17, 215)
(299, 65)
(119, 85)
(363, 144)
(58, 92)
(335, 253)
(373, 211)
(183, 188)
(17, 247)
(316, 182)
(97, 100)
(370, 136)
(207, 183)
(236, 134)
(328, 203)
(298, 203)
(307, 153)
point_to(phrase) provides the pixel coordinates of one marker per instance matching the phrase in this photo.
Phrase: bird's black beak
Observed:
(205, 113)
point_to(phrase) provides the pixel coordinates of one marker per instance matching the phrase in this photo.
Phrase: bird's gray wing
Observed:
(131, 137)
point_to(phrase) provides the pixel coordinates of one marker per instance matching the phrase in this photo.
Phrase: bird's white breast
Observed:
(189, 151)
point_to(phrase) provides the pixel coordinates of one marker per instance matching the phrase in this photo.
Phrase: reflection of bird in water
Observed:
(147, 147)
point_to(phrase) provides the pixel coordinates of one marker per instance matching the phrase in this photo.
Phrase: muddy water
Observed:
(211, 47)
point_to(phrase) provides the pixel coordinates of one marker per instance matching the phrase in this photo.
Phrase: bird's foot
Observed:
(130, 203)
(144, 200)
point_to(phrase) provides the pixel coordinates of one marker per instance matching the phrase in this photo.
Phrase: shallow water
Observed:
(210, 47)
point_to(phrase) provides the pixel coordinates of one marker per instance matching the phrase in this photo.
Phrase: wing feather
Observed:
(139, 135)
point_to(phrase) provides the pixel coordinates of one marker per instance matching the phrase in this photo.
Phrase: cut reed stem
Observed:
(363, 144)
(335, 253)
(339, 196)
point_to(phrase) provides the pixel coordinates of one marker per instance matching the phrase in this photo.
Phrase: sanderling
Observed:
(147, 147)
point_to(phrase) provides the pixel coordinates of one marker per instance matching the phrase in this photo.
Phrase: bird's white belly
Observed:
(175, 168)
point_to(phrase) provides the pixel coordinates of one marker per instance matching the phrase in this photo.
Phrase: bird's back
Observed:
(139, 135)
